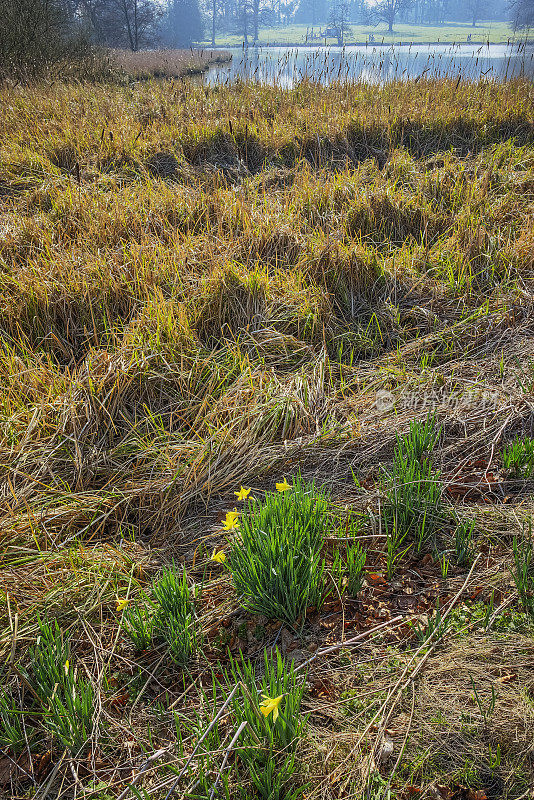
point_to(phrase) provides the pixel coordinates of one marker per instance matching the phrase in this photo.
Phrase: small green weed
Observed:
(478, 615)
(523, 573)
(486, 709)
(463, 542)
(518, 458)
(444, 564)
(355, 702)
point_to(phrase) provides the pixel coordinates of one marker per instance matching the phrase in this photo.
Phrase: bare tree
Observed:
(37, 34)
(388, 10)
(183, 23)
(129, 12)
(255, 18)
(213, 21)
(338, 21)
(245, 9)
(475, 8)
(123, 23)
(522, 14)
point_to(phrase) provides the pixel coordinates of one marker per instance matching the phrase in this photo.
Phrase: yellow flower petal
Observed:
(270, 704)
(243, 493)
(219, 557)
(121, 604)
(67, 667)
(230, 521)
(283, 487)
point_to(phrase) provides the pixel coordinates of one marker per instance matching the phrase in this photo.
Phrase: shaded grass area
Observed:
(206, 291)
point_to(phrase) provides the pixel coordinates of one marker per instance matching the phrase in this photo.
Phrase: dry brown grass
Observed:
(201, 289)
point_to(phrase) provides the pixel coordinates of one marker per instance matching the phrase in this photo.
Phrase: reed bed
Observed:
(379, 62)
(266, 440)
(166, 63)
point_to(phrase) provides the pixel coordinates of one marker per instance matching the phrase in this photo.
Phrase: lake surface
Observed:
(285, 66)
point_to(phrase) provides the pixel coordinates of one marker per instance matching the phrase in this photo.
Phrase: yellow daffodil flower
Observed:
(270, 704)
(231, 521)
(242, 494)
(219, 557)
(121, 604)
(283, 487)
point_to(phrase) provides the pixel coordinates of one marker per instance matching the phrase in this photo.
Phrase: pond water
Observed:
(285, 66)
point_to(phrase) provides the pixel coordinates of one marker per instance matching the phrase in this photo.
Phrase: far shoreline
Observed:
(311, 45)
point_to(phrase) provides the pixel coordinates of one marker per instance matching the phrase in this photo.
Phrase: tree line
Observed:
(37, 32)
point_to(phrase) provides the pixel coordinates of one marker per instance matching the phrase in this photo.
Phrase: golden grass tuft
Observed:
(232, 302)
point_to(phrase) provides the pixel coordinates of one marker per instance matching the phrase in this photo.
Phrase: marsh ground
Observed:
(203, 289)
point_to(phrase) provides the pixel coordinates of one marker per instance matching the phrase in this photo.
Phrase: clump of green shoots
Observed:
(348, 565)
(356, 558)
(168, 616)
(435, 627)
(518, 458)
(348, 570)
(486, 709)
(413, 509)
(277, 679)
(12, 733)
(278, 695)
(523, 572)
(138, 624)
(67, 699)
(175, 616)
(264, 715)
(420, 439)
(395, 551)
(463, 542)
(275, 558)
(48, 658)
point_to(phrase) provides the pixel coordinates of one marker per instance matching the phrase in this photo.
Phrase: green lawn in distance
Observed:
(448, 32)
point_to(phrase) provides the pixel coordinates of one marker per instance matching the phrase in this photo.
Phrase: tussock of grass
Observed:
(233, 303)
